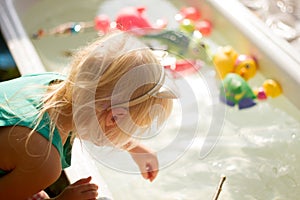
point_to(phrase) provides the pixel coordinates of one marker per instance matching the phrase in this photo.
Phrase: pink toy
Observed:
(261, 94)
(133, 18)
(184, 67)
(102, 23)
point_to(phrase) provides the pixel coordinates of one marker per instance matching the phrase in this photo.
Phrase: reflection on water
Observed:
(257, 150)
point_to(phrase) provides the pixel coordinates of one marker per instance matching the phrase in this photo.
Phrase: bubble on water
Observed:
(293, 135)
(217, 164)
(231, 168)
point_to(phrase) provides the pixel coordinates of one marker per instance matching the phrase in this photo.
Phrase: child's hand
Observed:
(80, 190)
(146, 160)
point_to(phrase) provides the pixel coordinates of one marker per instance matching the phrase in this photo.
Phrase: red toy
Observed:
(204, 26)
(102, 23)
(190, 20)
(133, 18)
(128, 19)
(184, 67)
(190, 13)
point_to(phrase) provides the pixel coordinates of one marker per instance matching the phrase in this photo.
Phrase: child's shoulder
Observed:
(37, 78)
(49, 75)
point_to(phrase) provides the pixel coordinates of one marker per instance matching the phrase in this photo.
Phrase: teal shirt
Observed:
(20, 100)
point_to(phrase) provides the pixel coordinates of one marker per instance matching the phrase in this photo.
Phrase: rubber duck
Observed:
(227, 60)
(270, 88)
(245, 66)
(224, 60)
(236, 91)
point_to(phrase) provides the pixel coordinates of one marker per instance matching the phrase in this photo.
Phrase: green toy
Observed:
(179, 44)
(236, 91)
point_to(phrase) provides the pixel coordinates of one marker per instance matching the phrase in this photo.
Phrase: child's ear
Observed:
(114, 115)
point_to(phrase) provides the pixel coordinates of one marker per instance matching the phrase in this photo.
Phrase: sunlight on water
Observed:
(258, 149)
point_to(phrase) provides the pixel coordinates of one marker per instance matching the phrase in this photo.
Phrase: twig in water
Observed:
(219, 189)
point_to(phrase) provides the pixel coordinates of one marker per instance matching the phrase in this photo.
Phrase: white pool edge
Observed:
(17, 40)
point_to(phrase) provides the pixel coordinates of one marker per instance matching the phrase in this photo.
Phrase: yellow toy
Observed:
(224, 60)
(227, 60)
(245, 66)
(270, 88)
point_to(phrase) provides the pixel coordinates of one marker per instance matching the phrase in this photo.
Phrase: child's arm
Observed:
(34, 167)
(147, 161)
(33, 163)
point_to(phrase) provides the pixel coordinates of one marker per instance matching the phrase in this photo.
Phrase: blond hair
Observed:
(94, 74)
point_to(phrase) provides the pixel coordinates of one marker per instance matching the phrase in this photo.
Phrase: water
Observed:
(257, 149)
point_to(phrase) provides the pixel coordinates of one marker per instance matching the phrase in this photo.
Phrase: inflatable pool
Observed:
(256, 148)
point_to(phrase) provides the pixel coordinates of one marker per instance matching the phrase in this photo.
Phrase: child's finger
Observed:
(87, 187)
(88, 191)
(150, 173)
(82, 181)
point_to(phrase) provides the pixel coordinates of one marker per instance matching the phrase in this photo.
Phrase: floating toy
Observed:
(183, 67)
(204, 26)
(270, 88)
(64, 29)
(178, 44)
(227, 60)
(191, 13)
(224, 60)
(132, 18)
(189, 19)
(245, 66)
(187, 26)
(102, 23)
(236, 91)
(172, 41)
(128, 19)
